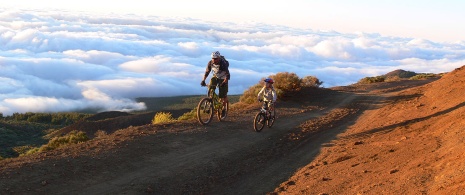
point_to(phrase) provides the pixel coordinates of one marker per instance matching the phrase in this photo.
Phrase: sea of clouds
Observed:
(56, 61)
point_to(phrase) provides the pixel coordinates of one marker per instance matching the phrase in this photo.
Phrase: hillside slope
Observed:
(412, 144)
(386, 138)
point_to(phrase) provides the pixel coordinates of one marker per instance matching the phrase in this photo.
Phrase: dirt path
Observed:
(220, 158)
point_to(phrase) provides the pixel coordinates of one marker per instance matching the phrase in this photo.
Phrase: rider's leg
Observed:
(271, 106)
(213, 83)
(225, 100)
(223, 93)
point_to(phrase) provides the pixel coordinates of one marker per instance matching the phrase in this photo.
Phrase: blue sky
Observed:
(63, 56)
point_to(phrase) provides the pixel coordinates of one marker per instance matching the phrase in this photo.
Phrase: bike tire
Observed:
(259, 122)
(223, 114)
(205, 111)
(271, 120)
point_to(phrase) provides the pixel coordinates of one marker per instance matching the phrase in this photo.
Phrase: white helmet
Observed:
(216, 54)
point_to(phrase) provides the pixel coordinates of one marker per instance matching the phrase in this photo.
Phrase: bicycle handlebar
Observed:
(207, 85)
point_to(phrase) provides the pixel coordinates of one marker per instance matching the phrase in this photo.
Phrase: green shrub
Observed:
(48, 118)
(21, 150)
(423, 76)
(188, 115)
(32, 151)
(285, 84)
(250, 95)
(368, 80)
(73, 137)
(311, 81)
(100, 134)
(162, 117)
(40, 118)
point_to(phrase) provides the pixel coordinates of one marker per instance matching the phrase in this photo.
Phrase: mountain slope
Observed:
(385, 138)
(412, 144)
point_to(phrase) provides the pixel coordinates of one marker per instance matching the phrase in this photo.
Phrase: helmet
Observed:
(269, 80)
(216, 54)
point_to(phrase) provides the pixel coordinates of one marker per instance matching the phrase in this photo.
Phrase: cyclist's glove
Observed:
(203, 83)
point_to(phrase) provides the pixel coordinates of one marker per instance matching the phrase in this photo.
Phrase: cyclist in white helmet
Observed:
(220, 77)
(267, 93)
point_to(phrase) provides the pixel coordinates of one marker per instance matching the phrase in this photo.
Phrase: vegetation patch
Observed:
(398, 75)
(163, 117)
(368, 80)
(286, 84)
(65, 118)
(423, 76)
(73, 137)
(188, 115)
(14, 134)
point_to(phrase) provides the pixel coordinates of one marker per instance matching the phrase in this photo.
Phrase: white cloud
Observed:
(63, 61)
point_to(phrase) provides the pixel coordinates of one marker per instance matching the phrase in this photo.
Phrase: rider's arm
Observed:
(208, 70)
(260, 94)
(275, 95)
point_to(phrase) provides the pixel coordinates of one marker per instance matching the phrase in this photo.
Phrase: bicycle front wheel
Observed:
(205, 111)
(259, 122)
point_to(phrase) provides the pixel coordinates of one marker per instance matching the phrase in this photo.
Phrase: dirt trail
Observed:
(220, 158)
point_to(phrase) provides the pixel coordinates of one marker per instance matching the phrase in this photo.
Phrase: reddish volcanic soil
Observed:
(403, 137)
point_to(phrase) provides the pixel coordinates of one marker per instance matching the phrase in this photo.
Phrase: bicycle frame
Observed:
(216, 99)
(265, 109)
(210, 105)
(264, 116)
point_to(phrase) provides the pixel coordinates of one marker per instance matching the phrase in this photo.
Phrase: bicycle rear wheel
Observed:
(222, 114)
(259, 122)
(271, 120)
(205, 111)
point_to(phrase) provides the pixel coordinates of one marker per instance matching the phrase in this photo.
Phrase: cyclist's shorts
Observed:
(223, 90)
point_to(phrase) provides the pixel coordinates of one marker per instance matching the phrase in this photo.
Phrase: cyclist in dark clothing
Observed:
(220, 77)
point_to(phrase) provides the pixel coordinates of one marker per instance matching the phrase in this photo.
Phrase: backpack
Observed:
(224, 59)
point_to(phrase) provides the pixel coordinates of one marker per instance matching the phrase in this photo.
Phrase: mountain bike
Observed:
(210, 105)
(264, 116)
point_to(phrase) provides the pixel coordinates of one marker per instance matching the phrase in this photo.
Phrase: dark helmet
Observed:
(269, 80)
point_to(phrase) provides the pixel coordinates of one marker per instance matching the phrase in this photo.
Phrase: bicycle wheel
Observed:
(222, 114)
(271, 120)
(259, 122)
(205, 111)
